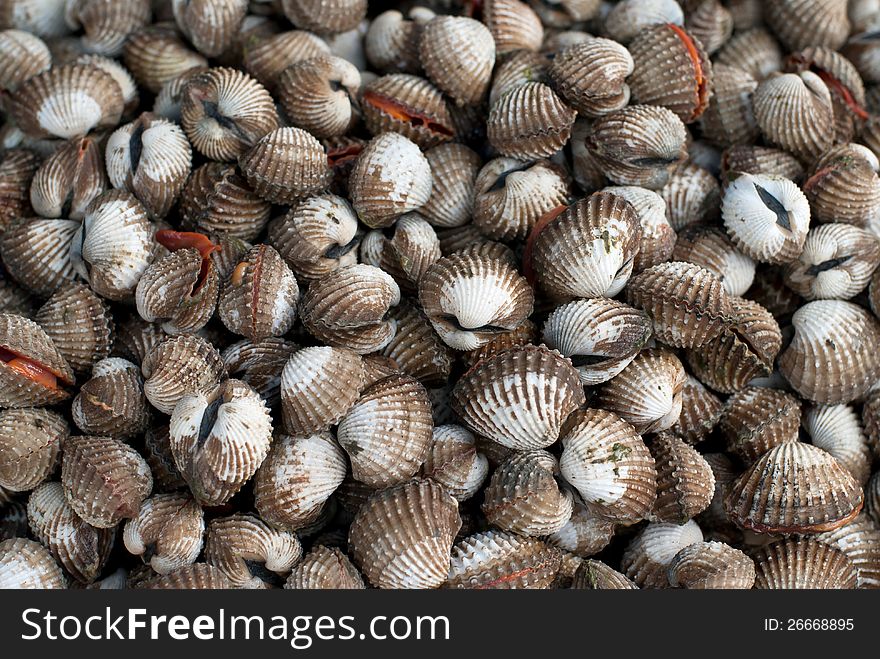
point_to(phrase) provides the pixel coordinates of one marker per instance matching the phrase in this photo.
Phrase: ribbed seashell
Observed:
(402, 536)
(27, 564)
(454, 169)
(179, 366)
(585, 534)
(150, 158)
(860, 542)
(325, 16)
(513, 24)
(729, 119)
(250, 553)
(408, 252)
(710, 248)
(510, 196)
(30, 447)
(757, 419)
(170, 97)
(628, 18)
(210, 25)
(408, 105)
(525, 496)
(26, 55)
(267, 58)
(600, 336)
(156, 54)
(219, 200)
(113, 246)
(32, 370)
(688, 304)
(502, 560)
(836, 262)
(794, 488)
(872, 498)
(658, 237)
(347, 308)
(467, 240)
(759, 160)
(692, 194)
(802, 23)
(113, 401)
(458, 54)
(672, 70)
(417, 349)
(391, 177)
(587, 250)
(319, 94)
(167, 532)
(606, 460)
(391, 43)
(518, 68)
(224, 112)
(470, 299)
(130, 93)
(13, 518)
(843, 186)
(710, 22)
(836, 429)
(638, 145)
(754, 51)
(700, 412)
(861, 51)
(157, 453)
(259, 298)
(259, 363)
(685, 483)
(17, 167)
(69, 179)
(45, 19)
(871, 419)
(219, 438)
(803, 563)
(66, 101)
(80, 548)
(387, 432)
(591, 76)
(647, 393)
(766, 216)
(197, 576)
(596, 575)
(648, 556)
(710, 566)
(527, 332)
(454, 462)
(745, 349)
(105, 481)
(795, 112)
(831, 358)
(134, 338)
(544, 388)
(324, 568)
(528, 122)
(107, 23)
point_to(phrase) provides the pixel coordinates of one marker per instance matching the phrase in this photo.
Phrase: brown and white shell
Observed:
(525, 495)
(469, 299)
(710, 22)
(319, 95)
(658, 236)
(79, 324)
(757, 419)
(517, 68)
(858, 540)
(405, 251)
(27, 564)
(638, 145)
(729, 118)
(210, 25)
(250, 553)
(26, 56)
(417, 349)
(112, 402)
(178, 366)
(529, 122)
(837, 430)
(843, 186)
(513, 24)
(585, 534)
(106, 24)
(692, 194)
(802, 23)
(259, 363)
(297, 478)
(832, 357)
(266, 58)
(17, 168)
(454, 169)
(525, 333)
(700, 412)
(711, 566)
(648, 556)
(81, 549)
(711, 248)
(325, 16)
(123, 78)
(167, 532)
(387, 433)
(409, 105)
(324, 568)
(605, 459)
(794, 488)
(541, 388)
(219, 438)
(134, 338)
(628, 18)
(803, 563)
(197, 576)
(69, 179)
(760, 160)
(157, 453)
(502, 560)
(454, 461)
(155, 55)
(591, 76)
(31, 440)
(105, 480)
(600, 336)
(458, 54)
(391, 43)
(402, 536)
(685, 482)
(32, 370)
(596, 575)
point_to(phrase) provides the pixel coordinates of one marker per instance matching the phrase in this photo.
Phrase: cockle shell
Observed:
(417, 349)
(711, 565)
(710, 23)
(638, 145)
(458, 54)
(525, 333)
(26, 56)
(836, 429)
(591, 76)
(32, 370)
(218, 199)
(297, 478)
(760, 160)
(31, 441)
(387, 432)
(658, 237)
(319, 94)
(454, 461)
(325, 16)
(156, 54)
(831, 358)
(843, 186)
(454, 169)
(499, 559)
(219, 438)
(647, 558)
(685, 483)
(803, 563)
(529, 122)
(605, 459)
(691, 194)
(700, 412)
(134, 338)
(27, 564)
(324, 568)
(210, 25)
(167, 532)
(470, 299)
(513, 24)
(106, 23)
(801, 23)
(729, 118)
(409, 105)
(755, 51)
(179, 366)
(68, 180)
(259, 363)
(405, 253)
(585, 534)
(17, 168)
(541, 388)
(267, 58)
(104, 480)
(599, 335)
(710, 247)
(596, 575)
(794, 488)
(250, 553)
(517, 68)
(391, 43)
(628, 18)
(157, 453)
(524, 495)
(858, 540)
(123, 78)
(757, 419)
(66, 101)
(197, 576)
(113, 401)
(402, 536)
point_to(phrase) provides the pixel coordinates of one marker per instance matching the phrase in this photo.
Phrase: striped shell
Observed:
(167, 532)
(454, 461)
(647, 558)
(685, 483)
(113, 401)
(324, 568)
(458, 54)
(711, 565)
(27, 564)
(529, 122)
(179, 366)
(591, 76)
(803, 563)
(757, 419)
(318, 94)
(837, 430)
(32, 370)
(31, 440)
(502, 560)
(409, 105)
(26, 56)
(69, 179)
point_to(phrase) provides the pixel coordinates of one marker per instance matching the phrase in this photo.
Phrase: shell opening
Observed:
(588, 360)
(842, 90)
(340, 155)
(29, 368)
(401, 112)
(540, 225)
(702, 81)
(136, 147)
(783, 217)
(209, 417)
(485, 329)
(174, 240)
(338, 251)
(213, 112)
(830, 264)
(501, 181)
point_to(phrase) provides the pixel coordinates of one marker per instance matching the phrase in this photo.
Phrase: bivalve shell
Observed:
(32, 370)
(210, 25)
(628, 18)
(324, 568)
(502, 560)
(803, 563)
(596, 575)
(513, 24)
(325, 16)
(647, 558)
(454, 462)
(837, 430)
(860, 541)
(711, 248)
(685, 482)
(591, 76)
(26, 56)
(802, 23)
(178, 366)
(27, 564)
(69, 179)
(167, 532)
(529, 122)
(30, 447)
(113, 401)
(458, 54)
(408, 105)
(757, 419)
(710, 566)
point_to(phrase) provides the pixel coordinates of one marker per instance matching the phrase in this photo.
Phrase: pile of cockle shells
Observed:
(461, 294)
